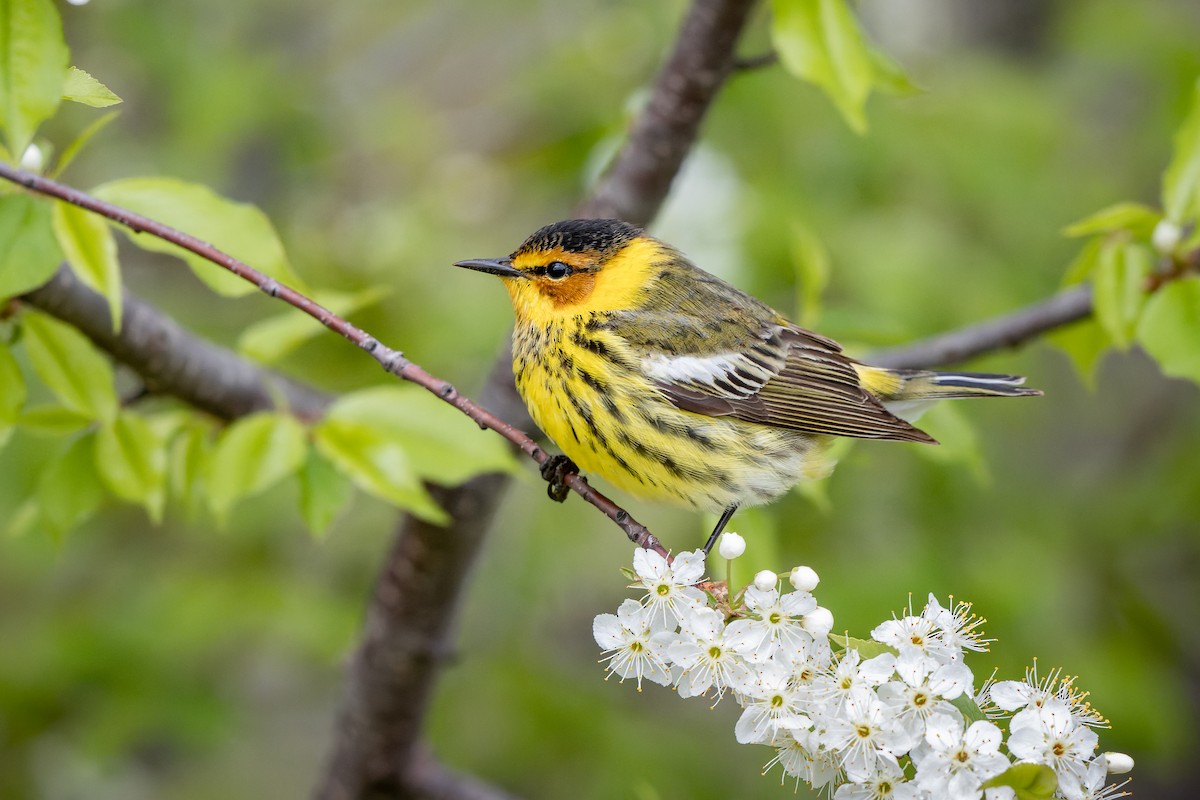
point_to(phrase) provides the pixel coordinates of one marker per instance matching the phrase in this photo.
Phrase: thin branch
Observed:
(1010, 330)
(750, 63)
(375, 737)
(391, 360)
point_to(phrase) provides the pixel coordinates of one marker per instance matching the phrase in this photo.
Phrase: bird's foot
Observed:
(555, 470)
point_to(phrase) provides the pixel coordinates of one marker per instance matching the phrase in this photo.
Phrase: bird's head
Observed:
(574, 266)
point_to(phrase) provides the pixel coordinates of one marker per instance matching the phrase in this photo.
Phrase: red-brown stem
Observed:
(391, 360)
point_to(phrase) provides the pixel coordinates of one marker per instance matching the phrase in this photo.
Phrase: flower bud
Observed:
(32, 159)
(732, 545)
(804, 579)
(1166, 236)
(818, 622)
(1118, 763)
(765, 581)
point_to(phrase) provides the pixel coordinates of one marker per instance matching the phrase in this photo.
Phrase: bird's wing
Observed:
(782, 375)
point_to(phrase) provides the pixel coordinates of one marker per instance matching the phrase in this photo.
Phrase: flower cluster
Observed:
(894, 717)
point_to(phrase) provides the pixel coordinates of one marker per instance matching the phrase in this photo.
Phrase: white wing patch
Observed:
(730, 375)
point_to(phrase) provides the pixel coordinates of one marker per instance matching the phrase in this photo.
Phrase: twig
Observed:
(375, 738)
(392, 361)
(1009, 330)
(749, 63)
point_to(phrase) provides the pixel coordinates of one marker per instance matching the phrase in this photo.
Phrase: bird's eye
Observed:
(557, 270)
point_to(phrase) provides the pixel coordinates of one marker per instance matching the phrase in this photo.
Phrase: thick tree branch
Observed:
(639, 178)
(375, 738)
(409, 623)
(391, 360)
(172, 361)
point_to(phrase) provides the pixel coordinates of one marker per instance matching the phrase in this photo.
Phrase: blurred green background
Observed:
(387, 140)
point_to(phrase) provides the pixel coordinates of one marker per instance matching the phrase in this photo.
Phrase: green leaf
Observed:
(810, 260)
(239, 229)
(867, 648)
(80, 87)
(12, 393)
(69, 490)
(74, 148)
(87, 242)
(252, 455)
(70, 366)
(272, 338)
(1136, 218)
(131, 459)
(1029, 781)
(820, 41)
(443, 446)
(12, 387)
(1119, 288)
(969, 709)
(53, 420)
(33, 61)
(28, 253)
(1170, 328)
(1084, 343)
(1085, 262)
(890, 76)
(1181, 181)
(376, 463)
(23, 520)
(323, 492)
(187, 461)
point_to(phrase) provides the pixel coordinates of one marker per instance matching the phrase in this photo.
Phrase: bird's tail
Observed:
(908, 392)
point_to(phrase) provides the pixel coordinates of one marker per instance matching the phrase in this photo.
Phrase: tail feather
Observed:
(965, 384)
(907, 393)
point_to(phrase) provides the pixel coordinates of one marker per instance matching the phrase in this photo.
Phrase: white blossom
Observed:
(885, 782)
(731, 545)
(952, 763)
(670, 587)
(863, 733)
(765, 580)
(803, 579)
(635, 650)
(773, 702)
(880, 728)
(1051, 735)
(711, 654)
(780, 617)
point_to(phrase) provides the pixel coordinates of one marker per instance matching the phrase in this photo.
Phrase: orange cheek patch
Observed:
(571, 291)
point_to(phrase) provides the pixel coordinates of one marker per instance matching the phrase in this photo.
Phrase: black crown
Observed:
(581, 236)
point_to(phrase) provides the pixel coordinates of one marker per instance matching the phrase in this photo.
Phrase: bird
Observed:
(675, 386)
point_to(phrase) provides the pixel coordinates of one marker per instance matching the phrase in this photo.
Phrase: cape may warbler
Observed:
(674, 385)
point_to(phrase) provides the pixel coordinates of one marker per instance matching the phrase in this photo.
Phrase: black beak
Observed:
(493, 266)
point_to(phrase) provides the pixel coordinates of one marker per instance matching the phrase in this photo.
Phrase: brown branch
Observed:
(392, 361)
(750, 63)
(172, 361)
(1009, 330)
(375, 737)
(426, 778)
(639, 178)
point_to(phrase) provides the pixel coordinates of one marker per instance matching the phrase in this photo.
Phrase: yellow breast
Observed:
(587, 392)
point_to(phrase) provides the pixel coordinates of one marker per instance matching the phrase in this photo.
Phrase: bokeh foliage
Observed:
(385, 141)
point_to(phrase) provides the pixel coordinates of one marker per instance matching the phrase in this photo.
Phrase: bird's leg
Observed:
(555, 469)
(721, 523)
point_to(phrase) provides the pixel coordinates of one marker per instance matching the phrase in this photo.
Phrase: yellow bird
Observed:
(674, 385)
